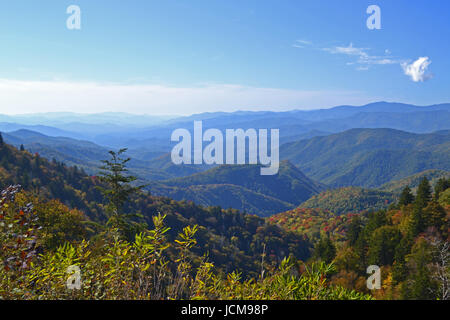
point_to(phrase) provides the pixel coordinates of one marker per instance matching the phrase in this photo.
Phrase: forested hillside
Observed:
(413, 181)
(350, 200)
(233, 239)
(182, 253)
(409, 241)
(313, 222)
(368, 157)
(95, 221)
(243, 187)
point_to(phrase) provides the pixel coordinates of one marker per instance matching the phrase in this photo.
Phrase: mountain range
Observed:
(368, 157)
(242, 187)
(368, 147)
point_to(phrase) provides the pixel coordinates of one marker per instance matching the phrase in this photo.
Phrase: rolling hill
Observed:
(226, 196)
(413, 181)
(87, 155)
(368, 157)
(232, 239)
(243, 188)
(350, 200)
(312, 222)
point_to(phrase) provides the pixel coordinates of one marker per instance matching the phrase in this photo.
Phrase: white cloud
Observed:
(56, 96)
(364, 59)
(304, 42)
(301, 43)
(417, 70)
(350, 50)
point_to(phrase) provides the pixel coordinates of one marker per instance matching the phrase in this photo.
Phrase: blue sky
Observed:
(183, 57)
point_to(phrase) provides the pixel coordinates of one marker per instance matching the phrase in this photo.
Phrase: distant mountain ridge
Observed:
(338, 147)
(368, 157)
(413, 181)
(121, 129)
(244, 187)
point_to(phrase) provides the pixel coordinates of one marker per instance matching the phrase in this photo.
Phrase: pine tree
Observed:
(382, 245)
(354, 230)
(1, 140)
(325, 250)
(417, 222)
(118, 190)
(422, 285)
(442, 185)
(22, 148)
(406, 197)
(423, 193)
(399, 268)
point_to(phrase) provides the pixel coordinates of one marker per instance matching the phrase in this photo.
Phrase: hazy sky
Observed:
(183, 57)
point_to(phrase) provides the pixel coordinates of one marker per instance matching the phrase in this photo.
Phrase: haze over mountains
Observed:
(119, 128)
(366, 146)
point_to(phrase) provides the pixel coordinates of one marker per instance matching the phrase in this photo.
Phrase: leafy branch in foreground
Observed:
(114, 268)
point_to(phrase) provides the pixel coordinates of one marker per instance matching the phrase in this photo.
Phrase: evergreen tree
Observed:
(422, 285)
(376, 220)
(354, 230)
(22, 148)
(423, 193)
(118, 190)
(1, 140)
(361, 248)
(442, 185)
(382, 245)
(400, 270)
(406, 197)
(325, 250)
(417, 222)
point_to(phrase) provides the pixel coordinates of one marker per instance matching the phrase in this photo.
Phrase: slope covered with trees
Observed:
(243, 187)
(368, 157)
(312, 222)
(232, 239)
(46, 246)
(350, 200)
(413, 181)
(409, 242)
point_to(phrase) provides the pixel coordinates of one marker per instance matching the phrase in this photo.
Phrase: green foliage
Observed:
(50, 180)
(444, 198)
(354, 230)
(242, 187)
(423, 194)
(325, 250)
(350, 200)
(118, 191)
(40, 242)
(382, 245)
(402, 242)
(310, 223)
(406, 197)
(442, 185)
(368, 157)
(113, 268)
(232, 239)
(413, 181)
(421, 287)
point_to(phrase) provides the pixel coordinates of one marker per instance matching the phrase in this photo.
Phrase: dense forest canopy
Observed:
(132, 245)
